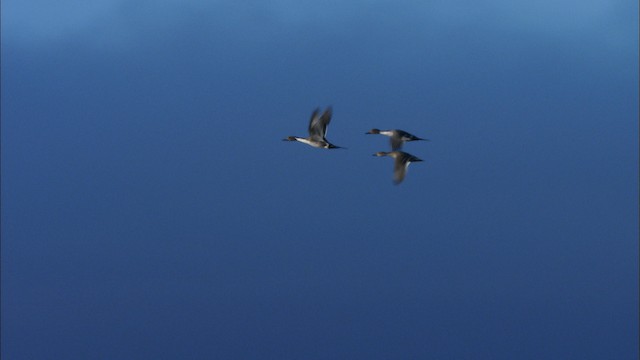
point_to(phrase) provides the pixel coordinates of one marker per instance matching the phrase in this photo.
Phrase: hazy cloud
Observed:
(118, 22)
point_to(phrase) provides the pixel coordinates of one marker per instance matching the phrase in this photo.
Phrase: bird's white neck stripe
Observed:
(303, 140)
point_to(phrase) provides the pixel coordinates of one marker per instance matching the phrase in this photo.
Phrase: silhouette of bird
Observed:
(401, 163)
(317, 131)
(398, 137)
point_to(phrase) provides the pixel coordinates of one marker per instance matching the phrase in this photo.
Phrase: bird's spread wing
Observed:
(396, 143)
(315, 116)
(318, 124)
(400, 169)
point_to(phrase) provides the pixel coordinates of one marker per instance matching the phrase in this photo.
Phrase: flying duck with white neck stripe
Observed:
(317, 131)
(400, 164)
(398, 137)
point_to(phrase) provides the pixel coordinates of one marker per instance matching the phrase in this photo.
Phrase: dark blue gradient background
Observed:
(150, 209)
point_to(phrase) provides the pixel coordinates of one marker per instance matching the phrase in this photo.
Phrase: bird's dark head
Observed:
(373, 131)
(289, 138)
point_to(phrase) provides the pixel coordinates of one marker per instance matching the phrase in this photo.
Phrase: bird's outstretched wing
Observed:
(318, 124)
(396, 143)
(400, 166)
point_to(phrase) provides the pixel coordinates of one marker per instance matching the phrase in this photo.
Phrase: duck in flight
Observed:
(401, 163)
(398, 137)
(317, 131)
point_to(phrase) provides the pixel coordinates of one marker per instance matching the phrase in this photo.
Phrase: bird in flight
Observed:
(401, 163)
(317, 131)
(398, 137)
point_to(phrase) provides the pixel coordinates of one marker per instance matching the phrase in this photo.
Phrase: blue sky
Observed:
(151, 210)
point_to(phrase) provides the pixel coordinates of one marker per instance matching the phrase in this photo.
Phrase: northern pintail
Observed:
(401, 163)
(317, 131)
(398, 137)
